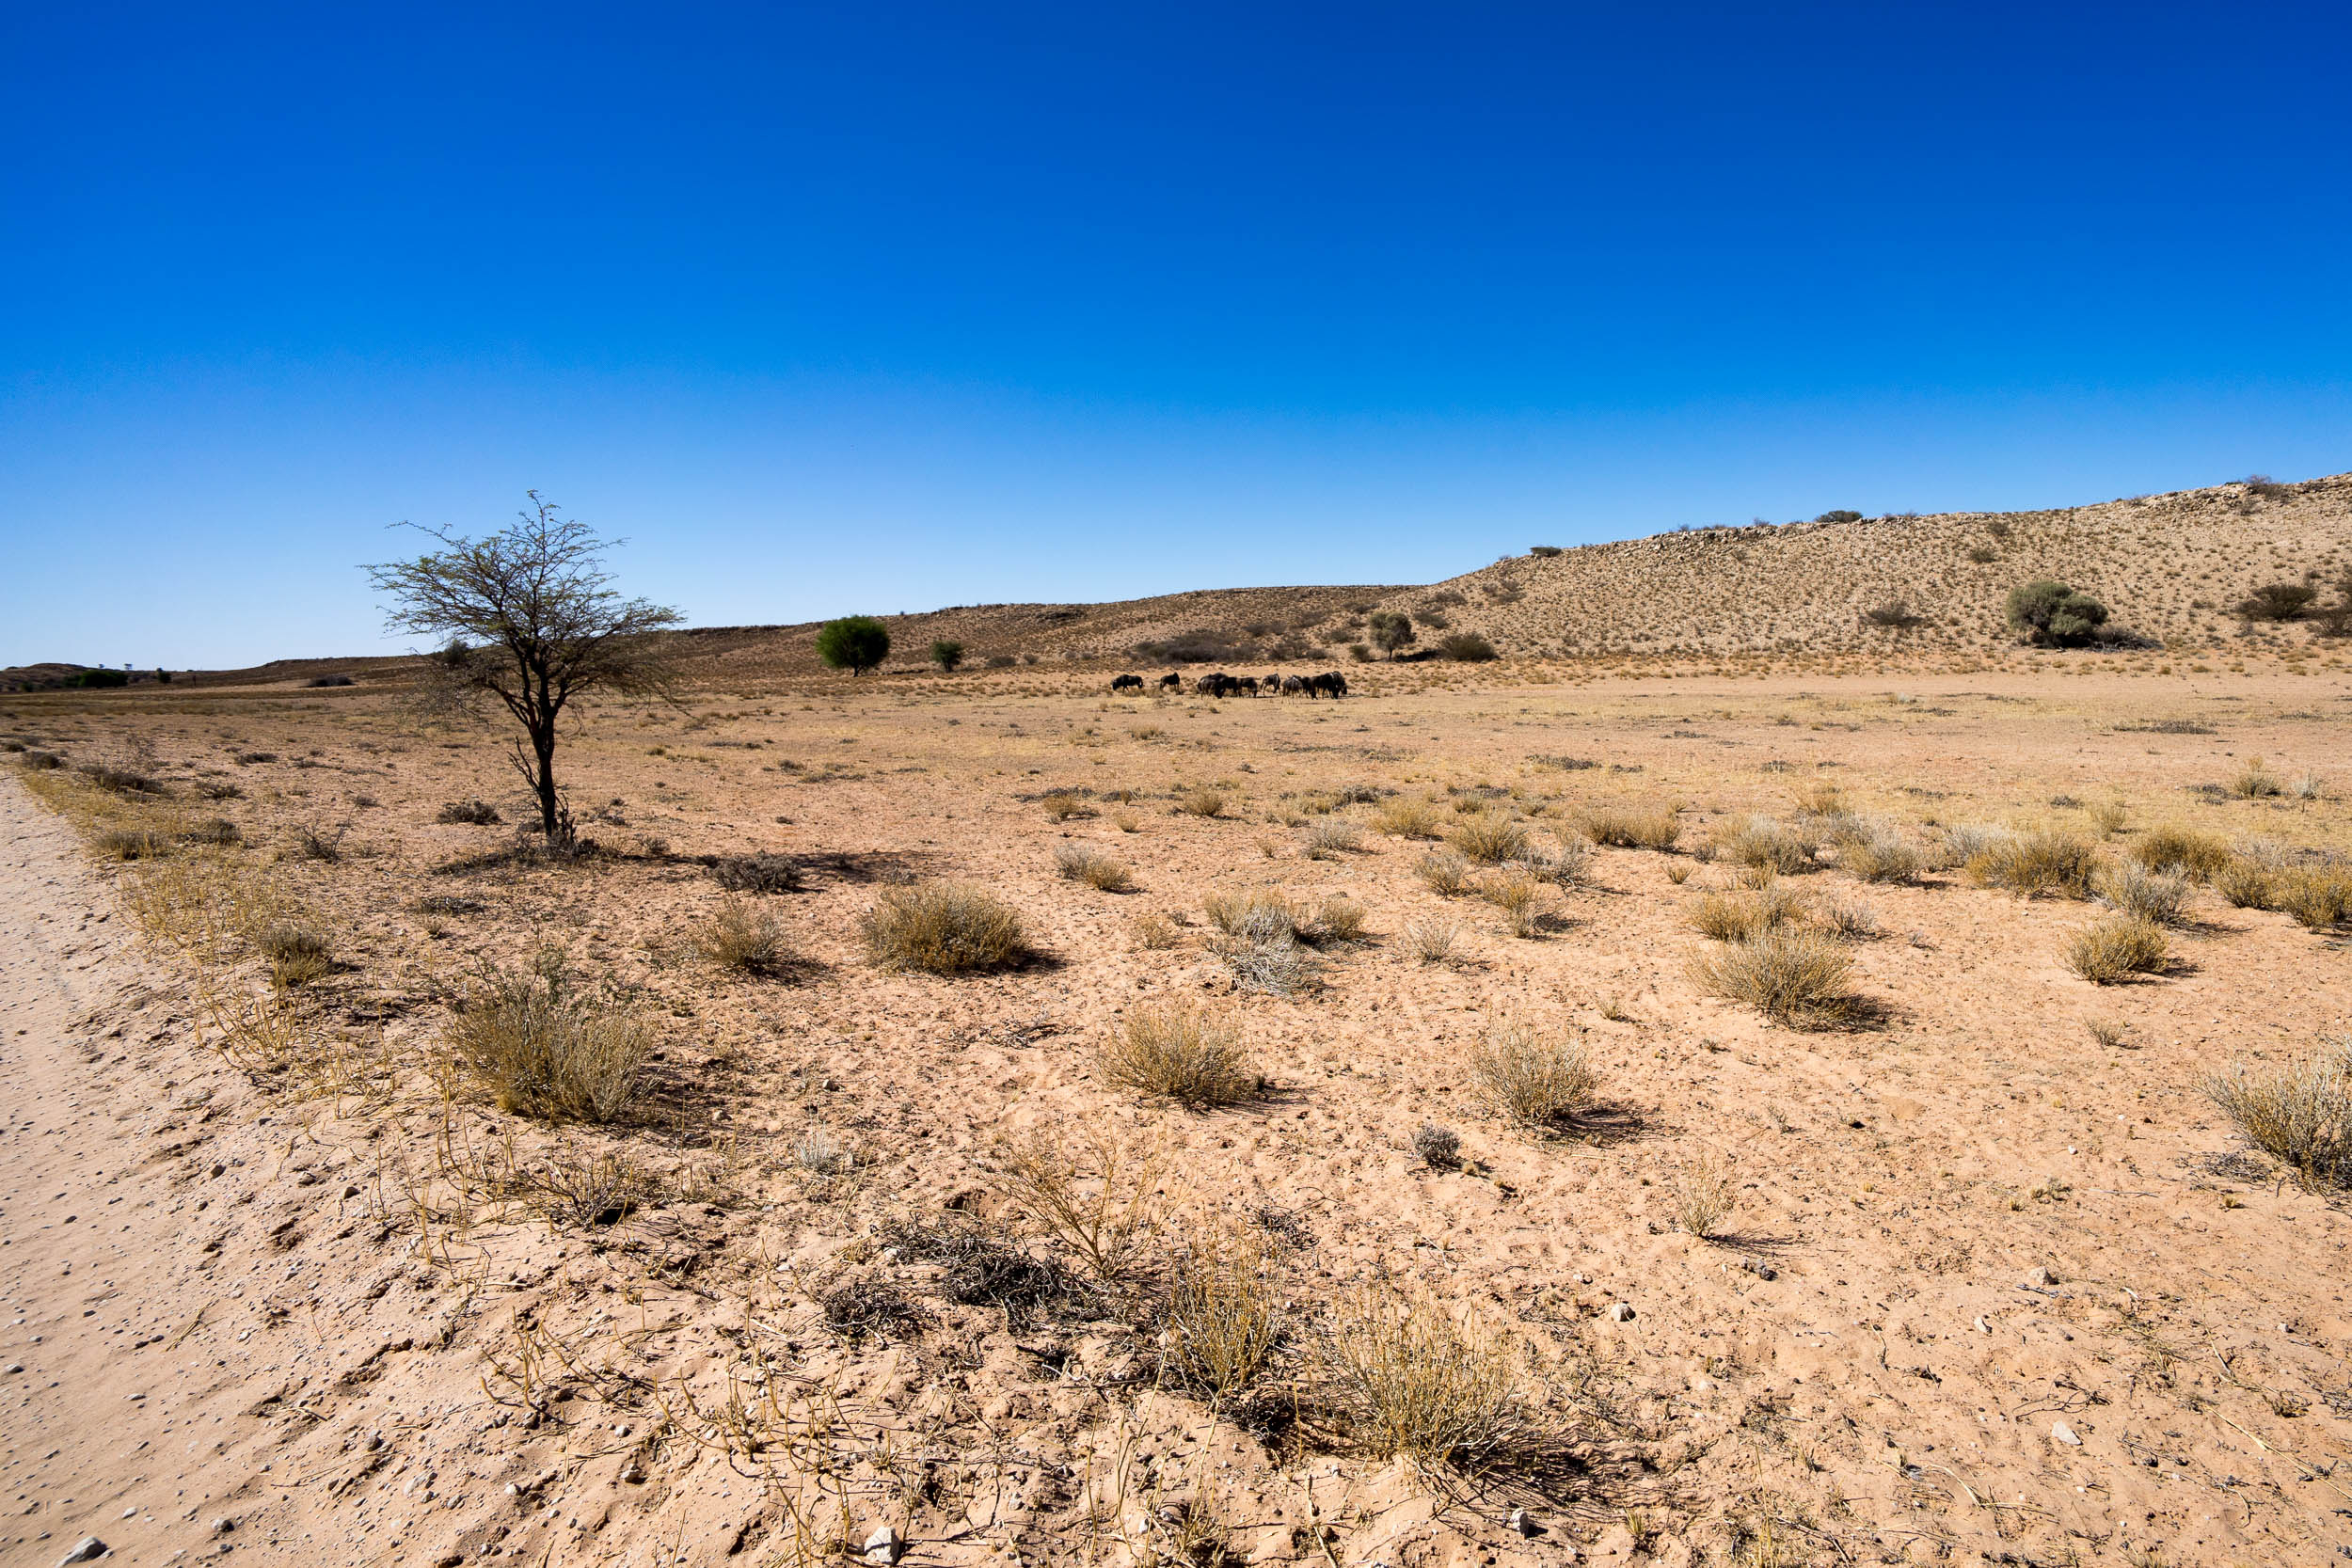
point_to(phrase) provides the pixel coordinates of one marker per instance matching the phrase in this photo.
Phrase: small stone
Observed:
(88, 1549)
(1984, 1327)
(16, 1366)
(2042, 1278)
(885, 1545)
(2061, 1432)
(307, 1179)
(1520, 1522)
(632, 1472)
(1621, 1312)
(223, 1524)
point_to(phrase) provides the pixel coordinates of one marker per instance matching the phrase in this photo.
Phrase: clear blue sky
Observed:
(881, 307)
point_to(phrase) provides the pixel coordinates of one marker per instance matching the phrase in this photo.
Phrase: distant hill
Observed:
(2169, 566)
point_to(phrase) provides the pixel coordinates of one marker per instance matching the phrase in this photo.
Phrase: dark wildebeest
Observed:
(1218, 683)
(1330, 681)
(1171, 682)
(1292, 686)
(1122, 683)
(1247, 684)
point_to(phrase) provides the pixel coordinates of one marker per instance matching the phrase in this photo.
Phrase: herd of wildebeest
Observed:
(1329, 684)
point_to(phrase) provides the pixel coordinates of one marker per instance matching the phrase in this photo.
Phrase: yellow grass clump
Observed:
(1537, 1078)
(2299, 1113)
(1403, 1378)
(1631, 829)
(1178, 1052)
(1795, 976)
(2112, 950)
(547, 1050)
(942, 929)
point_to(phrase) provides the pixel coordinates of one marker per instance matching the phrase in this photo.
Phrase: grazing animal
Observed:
(1218, 683)
(1122, 683)
(1293, 685)
(1330, 681)
(1248, 684)
(1171, 682)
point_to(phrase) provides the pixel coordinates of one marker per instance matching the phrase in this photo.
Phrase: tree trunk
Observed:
(543, 747)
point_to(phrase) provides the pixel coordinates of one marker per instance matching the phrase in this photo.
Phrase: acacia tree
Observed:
(1391, 630)
(526, 616)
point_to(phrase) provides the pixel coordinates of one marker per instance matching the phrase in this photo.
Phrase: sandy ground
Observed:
(1992, 1289)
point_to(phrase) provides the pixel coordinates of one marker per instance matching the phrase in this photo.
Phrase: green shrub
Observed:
(854, 643)
(946, 653)
(1468, 647)
(2053, 615)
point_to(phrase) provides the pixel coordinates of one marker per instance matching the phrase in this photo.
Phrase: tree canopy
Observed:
(854, 643)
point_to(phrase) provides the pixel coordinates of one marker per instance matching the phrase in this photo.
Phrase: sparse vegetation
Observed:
(2299, 1113)
(1447, 874)
(1537, 1078)
(297, 954)
(1082, 863)
(2114, 949)
(1632, 829)
(548, 1049)
(764, 872)
(2185, 850)
(1406, 817)
(1400, 1377)
(1705, 1196)
(942, 929)
(1177, 1051)
(1489, 838)
(1792, 974)
(853, 642)
(1202, 801)
(2033, 863)
(477, 813)
(2052, 615)
(743, 939)
(1223, 1313)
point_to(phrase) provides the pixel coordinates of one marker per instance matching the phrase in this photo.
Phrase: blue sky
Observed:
(884, 308)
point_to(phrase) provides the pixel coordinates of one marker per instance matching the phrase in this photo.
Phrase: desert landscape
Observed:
(1754, 1064)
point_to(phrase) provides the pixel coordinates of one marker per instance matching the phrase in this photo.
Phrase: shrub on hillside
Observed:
(1468, 647)
(854, 643)
(2052, 615)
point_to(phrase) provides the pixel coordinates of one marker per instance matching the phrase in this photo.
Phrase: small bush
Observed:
(1201, 801)
(1983, 555)
(2108, 817)
(1223, 1314)
(1629, 828)
(1489, 838)
(217, 830)
(1279, 968)
(942, 929)
(1468, 647)
(2278, 601)
(763, 872)
(1850, 921)
(1259, 915)
(1405, 818)
(1736, 917)
(1063, 804)
(2148, 895)
(1447, 874)
(297, 954)
(743, 939)
(1179, 1051)
(1431, 941)
(1875, 853)
(1765, 844)
(2247, 884)
(1439, 1148)
(2299, 1114)
(1564, 867)
(547, 1050)
(2317, 896)
(1894, 614)
(2037, 863)
(479, 814)
(2053, 615)
(2255, 782)
(132, 844)
(121, 780)
(2110, 950)
(1082, 863)
(1155, 932)
(313, 842)
(1336, 920)
(1794, 976)
(1400, 1377)
(1520, 898)
(1328, 837)
(1537, 1078)
(1705, 1196)
(2183, 851)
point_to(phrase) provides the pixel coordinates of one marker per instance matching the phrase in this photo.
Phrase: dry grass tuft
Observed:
(2255, 782)
(2318, 897)
(2037, 863)
(297, 954)
(1205, 801)
(2246, 883)
(1335, 919)
(1765, 844)
(765, 871)
(132, 844)
(1223, 1313)
(546, 1049)
(2185, 850)
(1082, 863)
(1431, 941)
(1328, 837)
(1063, 804)
(1537, 1078)
(1628, 828)
(1094, 1200)
(1792, 974)
(1705, 1196)
(1259, 914)
(1876, 853)
(942, 929)
(1176, 1051)
(2152, 897)
(1521, 899)
(1154, 932)
(1489, 838)
(478, 813)
(2300, 1113)
(2114, 949)
(1447, 874)
(1405, 818)
(1736, 917)
(1403, 1378)
(743, 939)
